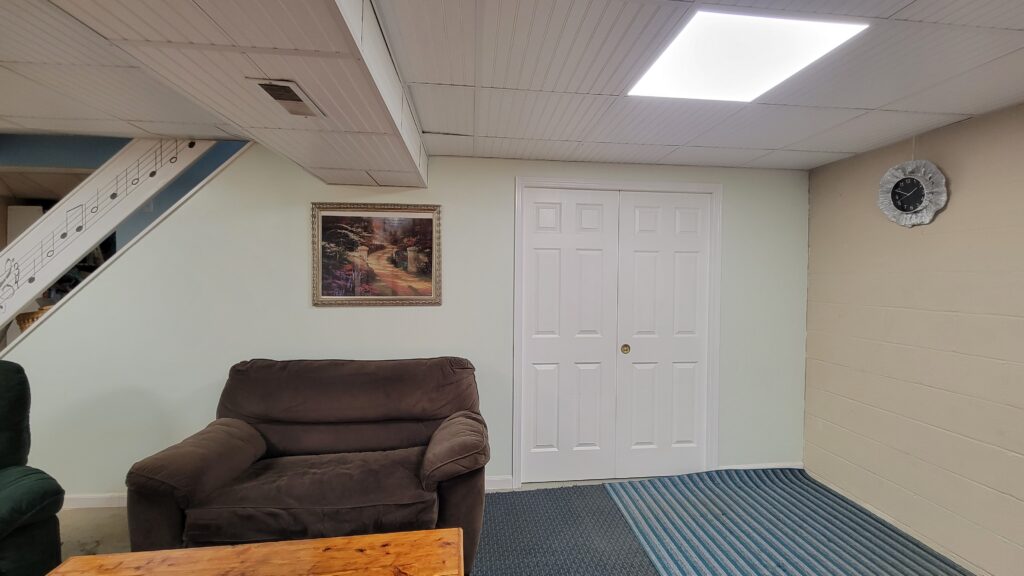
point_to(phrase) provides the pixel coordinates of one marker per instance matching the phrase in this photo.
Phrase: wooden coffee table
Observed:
(423, 553)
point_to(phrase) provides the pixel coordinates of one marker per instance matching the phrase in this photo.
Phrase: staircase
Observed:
(88, 215)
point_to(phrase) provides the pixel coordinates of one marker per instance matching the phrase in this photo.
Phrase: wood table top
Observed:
(422, 553)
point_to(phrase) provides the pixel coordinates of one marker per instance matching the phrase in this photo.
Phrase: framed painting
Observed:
(376, 254)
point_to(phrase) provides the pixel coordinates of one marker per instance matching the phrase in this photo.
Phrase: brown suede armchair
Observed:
(318, 448)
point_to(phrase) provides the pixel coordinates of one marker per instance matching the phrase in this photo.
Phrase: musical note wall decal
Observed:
(86, 216)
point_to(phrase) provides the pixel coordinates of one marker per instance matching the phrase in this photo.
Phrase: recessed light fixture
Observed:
(736, 57)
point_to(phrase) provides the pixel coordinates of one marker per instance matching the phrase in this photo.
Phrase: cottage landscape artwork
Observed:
(376, 254)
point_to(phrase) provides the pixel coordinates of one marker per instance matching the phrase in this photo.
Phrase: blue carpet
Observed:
(760, 522)
(558, 532)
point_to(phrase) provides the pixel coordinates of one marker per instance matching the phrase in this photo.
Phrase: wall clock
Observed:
(912, 193)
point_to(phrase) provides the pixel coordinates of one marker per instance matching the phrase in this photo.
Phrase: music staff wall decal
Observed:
(24, 270)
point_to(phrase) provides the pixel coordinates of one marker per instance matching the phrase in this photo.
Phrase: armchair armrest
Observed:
(198, 464)
(457, 447)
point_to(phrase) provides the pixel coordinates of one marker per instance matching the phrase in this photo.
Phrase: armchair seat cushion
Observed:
(316, 497)
(27, 496)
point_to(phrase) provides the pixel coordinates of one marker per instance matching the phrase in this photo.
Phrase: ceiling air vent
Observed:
(289, 96)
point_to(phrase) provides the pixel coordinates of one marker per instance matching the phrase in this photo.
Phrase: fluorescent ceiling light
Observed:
(735, 57)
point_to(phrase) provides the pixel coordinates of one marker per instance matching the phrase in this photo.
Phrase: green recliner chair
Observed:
(29, 498)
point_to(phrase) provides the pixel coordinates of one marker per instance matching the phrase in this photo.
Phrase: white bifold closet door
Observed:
(614, 333)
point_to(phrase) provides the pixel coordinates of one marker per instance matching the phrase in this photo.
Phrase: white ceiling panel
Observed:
(444, 109)
(863, 8)
(537, 115)
(154, 20)
(892, 60)
(341, 87)
(985, 13)
(874, 129)
(434, 41)
(706, 156)
(763, 126)
(639, 120)
(629, 153)
(596, 47)
(287, 24)
(988, 87)
(795, 160)
(485, 147)
(125, 93)
(448, 145)
(337, 149)
(183, 130)
(97, 127)
(37, 31)
(21, 96)
(337, 176)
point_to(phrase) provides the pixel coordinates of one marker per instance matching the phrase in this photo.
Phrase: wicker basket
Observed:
(26, 319)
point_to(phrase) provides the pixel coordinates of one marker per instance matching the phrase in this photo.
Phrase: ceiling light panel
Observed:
(737, 57)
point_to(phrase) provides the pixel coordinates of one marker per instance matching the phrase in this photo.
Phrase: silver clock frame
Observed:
(935, 193)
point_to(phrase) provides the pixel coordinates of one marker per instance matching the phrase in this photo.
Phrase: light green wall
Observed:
(136, 360)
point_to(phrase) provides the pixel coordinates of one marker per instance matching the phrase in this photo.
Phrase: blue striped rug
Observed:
(759, 522)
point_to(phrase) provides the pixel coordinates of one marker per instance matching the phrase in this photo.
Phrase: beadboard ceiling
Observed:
(547, 79)
(57, 75)
(533, 79)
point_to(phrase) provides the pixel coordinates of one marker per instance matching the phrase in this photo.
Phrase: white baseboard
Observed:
(493, 483)
(762, 465)
(112, 500)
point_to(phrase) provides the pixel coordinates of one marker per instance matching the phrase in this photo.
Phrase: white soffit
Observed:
(214, 50)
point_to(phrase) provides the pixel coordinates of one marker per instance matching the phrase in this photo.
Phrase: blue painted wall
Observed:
(57, 151)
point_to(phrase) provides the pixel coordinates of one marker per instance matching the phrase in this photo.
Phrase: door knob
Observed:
(625, 348)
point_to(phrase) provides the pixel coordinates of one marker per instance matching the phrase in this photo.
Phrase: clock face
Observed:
(908, 195)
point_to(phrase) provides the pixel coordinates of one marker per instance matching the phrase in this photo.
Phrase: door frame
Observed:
(714, 296)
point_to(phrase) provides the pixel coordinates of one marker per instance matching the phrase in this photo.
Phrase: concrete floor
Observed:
(87, 531)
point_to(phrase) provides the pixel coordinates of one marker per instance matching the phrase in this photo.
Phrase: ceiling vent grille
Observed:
(290, 97)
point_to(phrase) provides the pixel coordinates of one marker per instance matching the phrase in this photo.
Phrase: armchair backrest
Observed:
(332, 406)
(14, 406)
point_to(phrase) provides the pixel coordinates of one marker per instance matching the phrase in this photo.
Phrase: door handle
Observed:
(625, 348)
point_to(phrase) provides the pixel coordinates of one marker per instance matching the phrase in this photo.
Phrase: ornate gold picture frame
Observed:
(376, 254)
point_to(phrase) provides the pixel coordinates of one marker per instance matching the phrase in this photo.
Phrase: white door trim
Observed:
(714, 303)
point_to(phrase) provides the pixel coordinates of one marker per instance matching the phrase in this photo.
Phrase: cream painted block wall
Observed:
(137, 359)
(915, 346)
